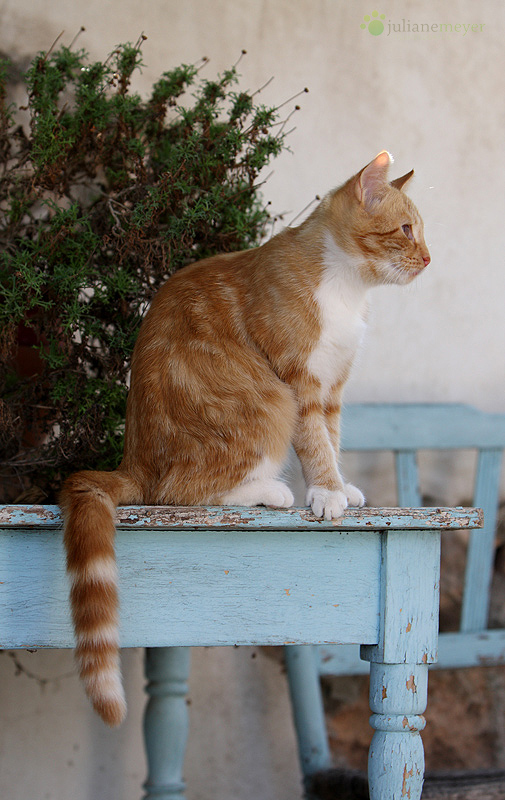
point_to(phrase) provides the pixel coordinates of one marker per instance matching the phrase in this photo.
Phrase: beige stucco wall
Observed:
(432, 99)
(435, 100)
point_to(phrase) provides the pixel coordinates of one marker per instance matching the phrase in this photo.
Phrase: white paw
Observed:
(277, 494)
(355, 497)
(266, 492)
(325, 503)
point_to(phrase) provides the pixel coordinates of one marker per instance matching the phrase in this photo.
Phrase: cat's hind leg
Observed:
(262, 487)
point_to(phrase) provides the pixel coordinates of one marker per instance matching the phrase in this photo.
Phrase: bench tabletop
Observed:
(239, 518)
(207, 576)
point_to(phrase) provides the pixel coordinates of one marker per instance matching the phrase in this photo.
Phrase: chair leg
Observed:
(307, 705)
(166, 721)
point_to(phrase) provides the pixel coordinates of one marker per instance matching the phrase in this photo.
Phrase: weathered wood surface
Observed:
(410, 592)
(211, 576)
(239, 518)
(182, 587)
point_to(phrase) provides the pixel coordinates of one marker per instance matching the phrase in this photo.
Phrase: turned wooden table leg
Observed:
(398, 696)
(166, 721)
(410, 576)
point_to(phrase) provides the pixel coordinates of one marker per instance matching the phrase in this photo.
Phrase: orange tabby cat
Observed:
(239, 356)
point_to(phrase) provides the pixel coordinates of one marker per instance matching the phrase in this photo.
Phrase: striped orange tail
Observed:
(89, 500)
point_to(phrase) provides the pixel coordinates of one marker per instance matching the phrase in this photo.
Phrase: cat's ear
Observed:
(372, 181)
(399, 183)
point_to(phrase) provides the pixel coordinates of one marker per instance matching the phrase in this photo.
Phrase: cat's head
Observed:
(380, 225)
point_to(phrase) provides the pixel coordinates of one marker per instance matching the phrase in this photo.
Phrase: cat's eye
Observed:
(407, 229)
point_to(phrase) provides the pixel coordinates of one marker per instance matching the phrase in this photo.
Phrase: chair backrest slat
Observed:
(479, 563)
(407, 479)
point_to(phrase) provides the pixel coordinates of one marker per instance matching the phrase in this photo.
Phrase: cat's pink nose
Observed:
(426, 260)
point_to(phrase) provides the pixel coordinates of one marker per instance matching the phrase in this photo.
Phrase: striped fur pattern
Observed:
(239, 356)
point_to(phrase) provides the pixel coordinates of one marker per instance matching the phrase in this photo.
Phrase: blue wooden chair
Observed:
(405, 429)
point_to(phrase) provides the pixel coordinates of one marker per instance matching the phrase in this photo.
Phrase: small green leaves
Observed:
(105, 196)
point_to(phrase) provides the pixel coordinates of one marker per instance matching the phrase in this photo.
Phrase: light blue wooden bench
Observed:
(405, 429)
(226, 576)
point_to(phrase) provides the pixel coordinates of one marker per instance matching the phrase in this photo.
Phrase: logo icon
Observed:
(373, 23)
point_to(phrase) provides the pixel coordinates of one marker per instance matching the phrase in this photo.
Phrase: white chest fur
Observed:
(342, 304)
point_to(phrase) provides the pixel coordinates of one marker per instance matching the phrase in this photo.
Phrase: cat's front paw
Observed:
(326, 503)
(355, 498)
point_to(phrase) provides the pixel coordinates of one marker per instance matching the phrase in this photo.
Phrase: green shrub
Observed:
(102, 199)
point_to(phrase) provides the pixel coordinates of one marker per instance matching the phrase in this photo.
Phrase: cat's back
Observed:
(201, 301)
(224, 297)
